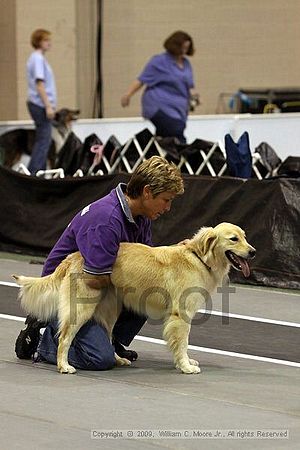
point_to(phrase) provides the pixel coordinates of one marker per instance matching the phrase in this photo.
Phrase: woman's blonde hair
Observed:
(38, 36)
(160, 174)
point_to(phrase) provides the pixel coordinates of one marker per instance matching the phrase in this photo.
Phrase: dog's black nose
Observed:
(252, 253)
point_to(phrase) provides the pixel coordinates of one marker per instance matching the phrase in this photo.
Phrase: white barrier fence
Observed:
(280, 131)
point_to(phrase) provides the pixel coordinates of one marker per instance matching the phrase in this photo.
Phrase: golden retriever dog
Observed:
(168, 282)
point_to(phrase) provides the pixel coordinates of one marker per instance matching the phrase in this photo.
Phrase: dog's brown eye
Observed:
(234, 239)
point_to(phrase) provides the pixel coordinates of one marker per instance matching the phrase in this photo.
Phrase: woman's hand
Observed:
(194, 101)
(50, 113)
(125, 100)
(133, 88)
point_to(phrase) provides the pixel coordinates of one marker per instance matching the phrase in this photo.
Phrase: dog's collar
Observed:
(208, 268)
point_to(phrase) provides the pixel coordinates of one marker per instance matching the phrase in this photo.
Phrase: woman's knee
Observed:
(102, 361)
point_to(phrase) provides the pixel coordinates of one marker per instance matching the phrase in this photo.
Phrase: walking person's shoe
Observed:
(28, 339)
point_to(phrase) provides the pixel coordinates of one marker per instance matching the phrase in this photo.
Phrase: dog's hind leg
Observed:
(75, 309)
(67, 334)
(176, 332)
(68, 329)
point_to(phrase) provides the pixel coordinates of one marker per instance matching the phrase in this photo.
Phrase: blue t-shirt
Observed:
(38, 68)
(167, 87)
(97, 232)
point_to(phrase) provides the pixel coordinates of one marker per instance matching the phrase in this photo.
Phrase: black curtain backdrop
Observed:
(34, 212)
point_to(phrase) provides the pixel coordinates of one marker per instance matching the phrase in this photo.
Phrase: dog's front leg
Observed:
(106, 314)
(176, 332)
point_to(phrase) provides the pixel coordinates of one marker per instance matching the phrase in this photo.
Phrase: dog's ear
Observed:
(209, 240)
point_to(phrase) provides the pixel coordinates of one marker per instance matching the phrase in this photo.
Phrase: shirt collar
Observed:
(173, 59)
(120, 190)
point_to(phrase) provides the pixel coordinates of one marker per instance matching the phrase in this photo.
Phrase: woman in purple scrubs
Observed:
(169, 83)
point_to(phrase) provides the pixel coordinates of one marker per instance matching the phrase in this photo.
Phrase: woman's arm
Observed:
(133, 88)
(40, 87)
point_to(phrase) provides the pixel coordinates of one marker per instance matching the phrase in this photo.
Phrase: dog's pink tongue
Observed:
(245, 267)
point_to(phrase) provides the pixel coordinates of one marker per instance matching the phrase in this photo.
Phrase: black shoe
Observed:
(123, 353)
(28, 339)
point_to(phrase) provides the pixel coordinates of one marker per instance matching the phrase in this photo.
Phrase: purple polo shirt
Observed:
(167, 87)
(97, 231)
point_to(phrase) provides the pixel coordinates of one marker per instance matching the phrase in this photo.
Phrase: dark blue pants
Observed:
(42, 138)
(91, 348)
(166, 126)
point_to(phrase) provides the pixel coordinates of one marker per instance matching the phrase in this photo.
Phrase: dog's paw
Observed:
(122, 361)
(67, 369)
(193, 362)
(190, 369)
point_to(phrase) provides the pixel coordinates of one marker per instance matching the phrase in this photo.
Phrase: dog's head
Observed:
(64, 116)
(224, 245)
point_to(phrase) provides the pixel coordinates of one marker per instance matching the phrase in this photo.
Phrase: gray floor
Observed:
(41, 409)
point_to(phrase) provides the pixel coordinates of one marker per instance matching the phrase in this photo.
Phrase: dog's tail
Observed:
(39, 296)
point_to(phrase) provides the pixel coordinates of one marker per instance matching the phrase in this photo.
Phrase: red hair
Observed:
(38, 36)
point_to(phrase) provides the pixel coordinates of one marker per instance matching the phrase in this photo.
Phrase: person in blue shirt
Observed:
(41, 100)
(169, 85)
